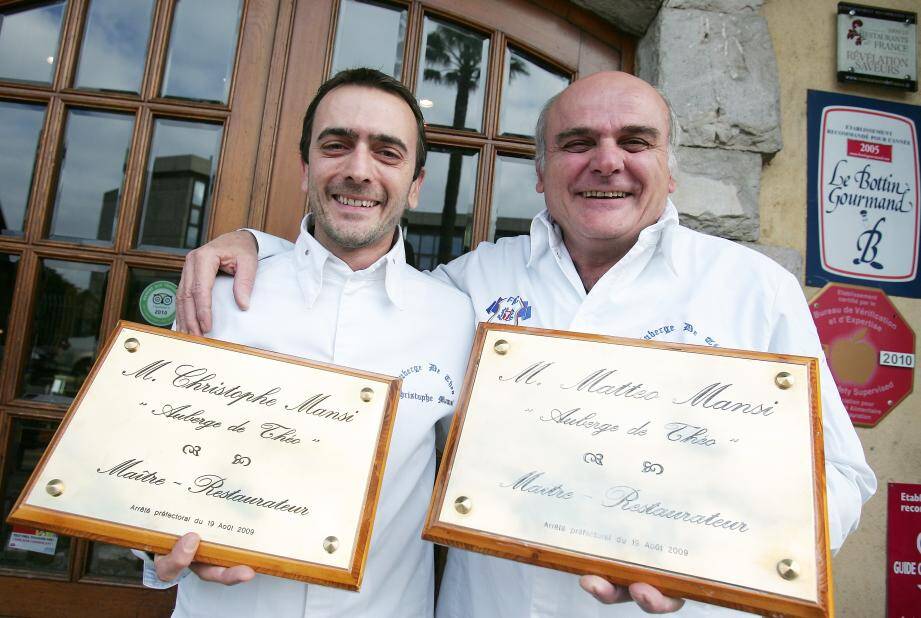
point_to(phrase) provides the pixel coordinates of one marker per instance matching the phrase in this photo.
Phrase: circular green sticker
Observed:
(158, 303)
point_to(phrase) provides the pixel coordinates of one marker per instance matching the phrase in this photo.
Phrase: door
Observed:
(126, 139)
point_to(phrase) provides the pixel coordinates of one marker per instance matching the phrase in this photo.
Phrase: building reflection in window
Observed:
(27, 441)
(8, 266)
(20, 128)
(515, 200)
(440, 229)
(180, 177)
(65, 329)
(93, 158)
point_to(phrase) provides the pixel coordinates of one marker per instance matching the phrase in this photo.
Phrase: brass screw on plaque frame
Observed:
(330, 544)
(463, 505)
(132, 345)
(783, 380)
(366, 394)
(502, 346)
(788, 569)
(55, 487)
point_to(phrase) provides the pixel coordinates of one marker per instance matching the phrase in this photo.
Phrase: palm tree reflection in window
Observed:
(454, 57)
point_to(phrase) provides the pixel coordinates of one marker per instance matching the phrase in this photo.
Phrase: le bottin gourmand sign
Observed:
(274, 461)
(698, 470)
(863, 177)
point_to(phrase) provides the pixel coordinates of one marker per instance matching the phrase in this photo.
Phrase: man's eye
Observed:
(390, 154)
(577, 146)
(634, 145)
(333, 146)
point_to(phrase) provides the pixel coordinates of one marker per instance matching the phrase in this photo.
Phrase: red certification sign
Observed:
(903, 562)
(869, 346)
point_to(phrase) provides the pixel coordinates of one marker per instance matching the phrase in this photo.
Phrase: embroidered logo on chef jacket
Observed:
(427, 383)
(509, 310)
(679, 332)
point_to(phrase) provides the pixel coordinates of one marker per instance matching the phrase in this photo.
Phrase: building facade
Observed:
(132, 132)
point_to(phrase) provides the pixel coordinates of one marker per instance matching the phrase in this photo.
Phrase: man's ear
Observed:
(672, 185)
(412, 200)
(304, 183)
(540, 178)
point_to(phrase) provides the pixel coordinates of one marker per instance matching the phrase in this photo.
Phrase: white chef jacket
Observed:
(674, 285)
(389, 319)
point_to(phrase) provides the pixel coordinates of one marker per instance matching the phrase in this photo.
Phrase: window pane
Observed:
(151, 297)
(115, 45)
(370, 34)
(114, 563)
(49, 552)
(514, 201)
(440, 228)
(20, 128)
(29, 42)
(452, 75)
(182, 154)
(526, 87)
(65, 329)
(8, 267)
(92, 169)
(201, 49)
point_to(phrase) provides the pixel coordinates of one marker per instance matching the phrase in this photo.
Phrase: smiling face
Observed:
(360, 176)
(605, 175)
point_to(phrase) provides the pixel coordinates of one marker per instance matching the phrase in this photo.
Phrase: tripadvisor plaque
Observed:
(698, 470)
(274, 461)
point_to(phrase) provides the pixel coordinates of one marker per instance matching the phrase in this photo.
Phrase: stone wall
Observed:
(715, 62)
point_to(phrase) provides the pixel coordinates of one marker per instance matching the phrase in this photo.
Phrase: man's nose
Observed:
(608, 159)
(359, 164)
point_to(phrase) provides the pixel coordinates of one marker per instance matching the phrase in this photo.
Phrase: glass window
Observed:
(92, 169)
(65, 329)
(115, 45)
(112, 562)
(23, 547)
(526, 87)
(440, 229)
(20, 128)
(8, 267)
(29, 41)
(183, 156)
(151, 297)
(515, 200)
(370, 34)
(452, 75)
(202, 45)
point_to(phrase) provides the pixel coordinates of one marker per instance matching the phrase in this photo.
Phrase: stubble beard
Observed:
(348, 235)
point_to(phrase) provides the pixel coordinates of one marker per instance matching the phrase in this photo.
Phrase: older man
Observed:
(344, 294)
(608, 256)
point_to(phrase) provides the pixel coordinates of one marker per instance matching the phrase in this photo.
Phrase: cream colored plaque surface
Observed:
(690, 463)
(249, 452)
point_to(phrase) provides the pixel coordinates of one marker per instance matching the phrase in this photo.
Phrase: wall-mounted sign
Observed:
(863, 186)
(903, 562)
(877, 46)
(870, 349)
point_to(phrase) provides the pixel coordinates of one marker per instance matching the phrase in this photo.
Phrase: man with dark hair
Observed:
(344, 294)
(608, 256)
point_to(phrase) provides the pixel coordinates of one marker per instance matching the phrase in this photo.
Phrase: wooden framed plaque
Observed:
(276, 462)
(697, 470)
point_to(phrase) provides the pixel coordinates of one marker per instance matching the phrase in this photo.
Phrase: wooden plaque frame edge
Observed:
(621, 572)
(216, 553)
